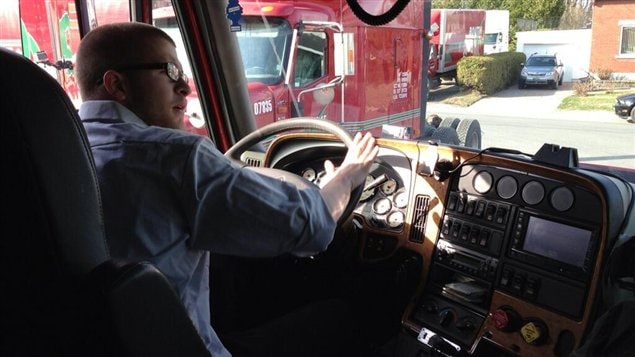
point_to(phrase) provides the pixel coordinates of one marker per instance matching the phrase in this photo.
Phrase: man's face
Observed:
(151, 94)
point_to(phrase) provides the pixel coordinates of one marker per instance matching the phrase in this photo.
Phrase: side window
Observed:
(163, 17)
(627, 40)
(310, 61)
(109, 11)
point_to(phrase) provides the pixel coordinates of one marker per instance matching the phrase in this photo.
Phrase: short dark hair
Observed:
(434, 119)
(111, 46)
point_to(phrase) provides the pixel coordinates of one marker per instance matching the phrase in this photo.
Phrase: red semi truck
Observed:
(456, 33)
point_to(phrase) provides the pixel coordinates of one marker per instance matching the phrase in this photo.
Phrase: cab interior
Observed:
(447, 250)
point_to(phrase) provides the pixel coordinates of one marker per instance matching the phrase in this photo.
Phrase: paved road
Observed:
(525, 119)
(538, 102)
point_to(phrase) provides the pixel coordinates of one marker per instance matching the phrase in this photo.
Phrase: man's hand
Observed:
(357, 162)
(338, 183)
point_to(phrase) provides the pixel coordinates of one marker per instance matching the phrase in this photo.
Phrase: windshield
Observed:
(263, 42)
(491, 38)
(541, 61)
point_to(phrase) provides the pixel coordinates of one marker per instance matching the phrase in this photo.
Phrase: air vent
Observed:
(417, 233)
(252, 158)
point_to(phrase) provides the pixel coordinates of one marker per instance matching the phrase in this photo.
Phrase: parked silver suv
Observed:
(542, 70)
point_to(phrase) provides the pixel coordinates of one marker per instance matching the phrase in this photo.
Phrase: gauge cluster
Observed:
(384, 201)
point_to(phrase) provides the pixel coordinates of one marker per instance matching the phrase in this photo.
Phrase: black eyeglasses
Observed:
(173, 72)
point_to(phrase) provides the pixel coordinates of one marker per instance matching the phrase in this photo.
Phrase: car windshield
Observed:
(541, 61)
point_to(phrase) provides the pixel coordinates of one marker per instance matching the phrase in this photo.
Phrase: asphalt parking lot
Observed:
(540, 102)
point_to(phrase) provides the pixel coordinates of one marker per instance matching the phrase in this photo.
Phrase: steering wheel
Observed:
(293, 124)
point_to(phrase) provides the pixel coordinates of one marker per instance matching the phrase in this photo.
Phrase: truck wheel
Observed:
(469, 133)
(450, 123)
(560, 81)
(445, 135)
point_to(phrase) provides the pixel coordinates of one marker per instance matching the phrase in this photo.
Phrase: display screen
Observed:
(557, 241)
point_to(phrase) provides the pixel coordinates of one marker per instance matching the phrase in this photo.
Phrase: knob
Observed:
(446, 317)
(466, 324)
(506, 319)
(534, 332)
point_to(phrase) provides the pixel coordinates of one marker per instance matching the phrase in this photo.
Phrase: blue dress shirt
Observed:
(170, 197)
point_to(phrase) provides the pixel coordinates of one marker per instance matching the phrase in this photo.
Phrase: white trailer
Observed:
(496, 31)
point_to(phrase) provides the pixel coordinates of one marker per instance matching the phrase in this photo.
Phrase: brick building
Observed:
(613, 37)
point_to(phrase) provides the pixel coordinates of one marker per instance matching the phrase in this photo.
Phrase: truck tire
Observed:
(469, 133)
(445, 135)
(450, 123)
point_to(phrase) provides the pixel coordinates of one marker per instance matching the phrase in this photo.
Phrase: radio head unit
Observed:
(572, 254)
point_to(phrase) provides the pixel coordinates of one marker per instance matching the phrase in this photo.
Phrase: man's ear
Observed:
(114, 83)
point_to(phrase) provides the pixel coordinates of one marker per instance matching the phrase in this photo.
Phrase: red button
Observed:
(501, 319)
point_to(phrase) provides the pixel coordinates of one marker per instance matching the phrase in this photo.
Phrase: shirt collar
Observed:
(108, 109)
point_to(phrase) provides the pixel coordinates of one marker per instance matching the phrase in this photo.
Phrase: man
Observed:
(171, 197)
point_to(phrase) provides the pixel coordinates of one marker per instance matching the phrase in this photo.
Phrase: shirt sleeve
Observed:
(234, 210)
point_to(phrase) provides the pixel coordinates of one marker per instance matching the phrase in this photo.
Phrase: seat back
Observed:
(62, 293)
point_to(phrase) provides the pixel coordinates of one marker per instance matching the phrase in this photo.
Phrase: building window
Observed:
(627, 39)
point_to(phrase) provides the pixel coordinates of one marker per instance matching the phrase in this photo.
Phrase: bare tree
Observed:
(577, 15)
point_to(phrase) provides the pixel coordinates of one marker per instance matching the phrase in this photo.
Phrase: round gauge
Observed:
(483, 182)
(367, 193)
(395, 219)
(533, 192)
(401, 199)
(309, 174)
(389, 187)
(562, 199)
(382, 206)
(507, 187)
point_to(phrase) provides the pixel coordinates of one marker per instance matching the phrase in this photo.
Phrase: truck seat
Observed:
(63, 295)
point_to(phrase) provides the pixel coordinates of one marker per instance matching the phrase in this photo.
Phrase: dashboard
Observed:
(512, 247)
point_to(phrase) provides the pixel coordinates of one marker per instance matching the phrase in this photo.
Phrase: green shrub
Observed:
(491, 73)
